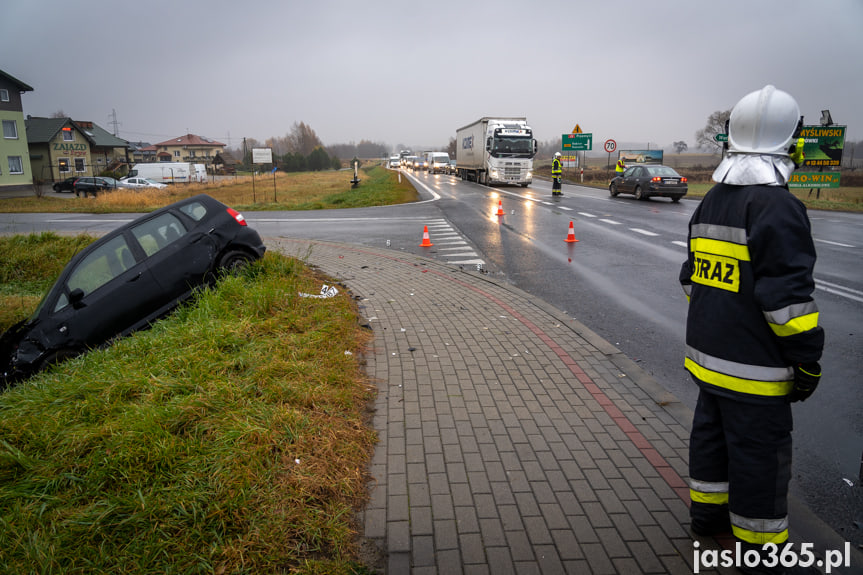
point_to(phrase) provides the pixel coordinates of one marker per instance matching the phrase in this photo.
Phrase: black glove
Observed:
(806, 378)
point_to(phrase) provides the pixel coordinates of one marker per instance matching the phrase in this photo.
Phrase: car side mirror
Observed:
(488, 145)
(76, 298)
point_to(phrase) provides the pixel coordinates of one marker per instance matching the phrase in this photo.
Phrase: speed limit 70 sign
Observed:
(610, 146)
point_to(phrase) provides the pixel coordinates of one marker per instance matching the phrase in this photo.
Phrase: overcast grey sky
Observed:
(413, 72)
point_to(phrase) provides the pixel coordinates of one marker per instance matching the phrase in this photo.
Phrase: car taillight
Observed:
(656, 179)
(237, 216)
(683, 180)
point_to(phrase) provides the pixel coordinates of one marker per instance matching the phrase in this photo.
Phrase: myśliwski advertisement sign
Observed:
(823, 145)
(814, 180)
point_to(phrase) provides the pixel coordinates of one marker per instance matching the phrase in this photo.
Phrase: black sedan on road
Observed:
(128, 279)
(648, 181)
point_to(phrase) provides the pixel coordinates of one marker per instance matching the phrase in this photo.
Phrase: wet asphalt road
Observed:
(619, 279)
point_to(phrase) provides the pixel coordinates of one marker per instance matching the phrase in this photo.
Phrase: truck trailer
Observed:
(170, 172)
(496, 151)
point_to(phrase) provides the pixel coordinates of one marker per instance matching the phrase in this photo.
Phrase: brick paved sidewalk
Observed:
(512, 439)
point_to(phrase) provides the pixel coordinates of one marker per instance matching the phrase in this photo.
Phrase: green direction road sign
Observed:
(721, 137)
(576, 142)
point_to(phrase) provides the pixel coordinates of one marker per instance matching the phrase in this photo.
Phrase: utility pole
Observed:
(114, 121)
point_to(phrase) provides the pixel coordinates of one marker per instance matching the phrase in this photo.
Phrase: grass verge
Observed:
(284, 191)
(229, 438)
(28, 267)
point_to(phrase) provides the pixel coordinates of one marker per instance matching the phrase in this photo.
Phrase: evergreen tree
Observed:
(318, 160)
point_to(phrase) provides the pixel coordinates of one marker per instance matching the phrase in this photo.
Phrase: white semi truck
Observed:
(496, 151)
(170, 172)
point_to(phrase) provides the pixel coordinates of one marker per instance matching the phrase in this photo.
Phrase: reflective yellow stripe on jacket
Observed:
(794, 319)
(739, 377)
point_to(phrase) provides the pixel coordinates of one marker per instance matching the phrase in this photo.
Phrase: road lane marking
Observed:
(833, 243)
(839, 290)
(468, 262)
(643, 232)
(610, 222)
(445, 235)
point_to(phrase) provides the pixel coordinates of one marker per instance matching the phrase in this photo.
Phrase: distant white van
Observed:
(170, 172)
(438, 162)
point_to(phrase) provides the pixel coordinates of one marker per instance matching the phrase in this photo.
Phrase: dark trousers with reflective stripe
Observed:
(749, 446)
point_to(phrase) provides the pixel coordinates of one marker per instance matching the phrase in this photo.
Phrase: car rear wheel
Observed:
(234, 261)
(639, 193)
(613, 190)
(675, 199)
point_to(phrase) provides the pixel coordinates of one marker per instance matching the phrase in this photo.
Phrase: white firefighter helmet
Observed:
(763, 122)
(557, 154)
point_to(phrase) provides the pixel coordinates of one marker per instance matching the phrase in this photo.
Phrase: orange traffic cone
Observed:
(500, 207)
(571, 236)
(426, 240)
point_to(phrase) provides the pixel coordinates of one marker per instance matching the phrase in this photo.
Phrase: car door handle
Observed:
(134, 278)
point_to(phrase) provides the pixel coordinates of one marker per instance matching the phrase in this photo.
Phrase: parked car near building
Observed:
(67, 185)
(92, 185)
(650, 180)
(138, 183)
(127, 279)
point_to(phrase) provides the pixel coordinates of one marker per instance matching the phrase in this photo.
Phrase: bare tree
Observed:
(278, 145)
(705, 138)
(59, 114)
(303, 139)
(680, 146)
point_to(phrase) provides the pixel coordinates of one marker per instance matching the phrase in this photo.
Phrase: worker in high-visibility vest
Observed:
(753, 342)
(556, 176)
(619, 167)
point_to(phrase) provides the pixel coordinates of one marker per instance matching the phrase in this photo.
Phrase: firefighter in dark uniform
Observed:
(753, 342)
(556, 176)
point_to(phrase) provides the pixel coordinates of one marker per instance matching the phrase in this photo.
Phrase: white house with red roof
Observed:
(187, 148)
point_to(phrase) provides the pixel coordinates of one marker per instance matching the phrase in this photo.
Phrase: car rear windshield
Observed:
(195, 210)
(663, 171)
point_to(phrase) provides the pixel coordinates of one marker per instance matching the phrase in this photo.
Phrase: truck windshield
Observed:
(512, 146)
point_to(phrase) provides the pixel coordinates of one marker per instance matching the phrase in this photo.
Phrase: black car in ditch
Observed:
(650, 180)
(127, 279)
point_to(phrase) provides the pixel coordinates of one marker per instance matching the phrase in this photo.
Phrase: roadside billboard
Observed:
(569, 161)
(640, 156)
(824, 145)
(814, 180)
(262, 155)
